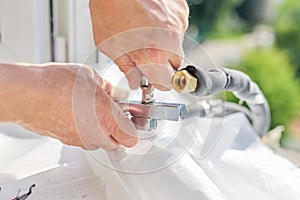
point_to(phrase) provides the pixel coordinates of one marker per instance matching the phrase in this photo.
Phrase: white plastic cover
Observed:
(238, 167)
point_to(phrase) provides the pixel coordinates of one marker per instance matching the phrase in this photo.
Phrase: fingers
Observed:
(98, 120)
(140, 113)
(113, 122)
(176, 61)
(128, 67)
(114, 92)
(155, 64)
(102, 139)
(134, 77)
(122, 129)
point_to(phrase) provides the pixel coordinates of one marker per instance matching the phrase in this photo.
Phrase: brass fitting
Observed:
(184, 82)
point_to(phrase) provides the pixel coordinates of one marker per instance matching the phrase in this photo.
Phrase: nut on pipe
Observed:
(184, 82)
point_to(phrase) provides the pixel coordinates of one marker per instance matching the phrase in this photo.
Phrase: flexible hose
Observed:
(223, 79)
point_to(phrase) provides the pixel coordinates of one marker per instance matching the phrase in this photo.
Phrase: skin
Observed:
(58, 100)
(71, 102)
(158, 28)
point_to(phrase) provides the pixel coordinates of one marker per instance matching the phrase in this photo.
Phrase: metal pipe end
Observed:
(184, 82)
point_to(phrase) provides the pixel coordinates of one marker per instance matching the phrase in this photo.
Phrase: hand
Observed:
(68, 102)
(142, 37)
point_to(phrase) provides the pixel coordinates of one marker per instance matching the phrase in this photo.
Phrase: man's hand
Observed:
(65, 101)
(142, 37)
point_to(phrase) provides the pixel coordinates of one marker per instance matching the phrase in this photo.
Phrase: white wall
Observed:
(25, 31)
(26, 36)
(81, 46)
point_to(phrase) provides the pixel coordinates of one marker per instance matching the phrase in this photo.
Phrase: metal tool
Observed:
(24, 196)
(147, 112)
(199, 82)
(147, 92)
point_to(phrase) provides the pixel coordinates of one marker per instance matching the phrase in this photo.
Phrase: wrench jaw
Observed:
(146, 113)
(146, 116)
(144, 124)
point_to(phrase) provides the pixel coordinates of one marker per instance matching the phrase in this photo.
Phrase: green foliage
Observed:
(272, 71)
(229, 18)
(215, 16)
(287, 29)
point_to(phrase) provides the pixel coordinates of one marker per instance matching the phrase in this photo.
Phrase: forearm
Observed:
(18, 85)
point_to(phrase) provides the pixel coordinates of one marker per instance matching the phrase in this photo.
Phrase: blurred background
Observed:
(259, 37)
